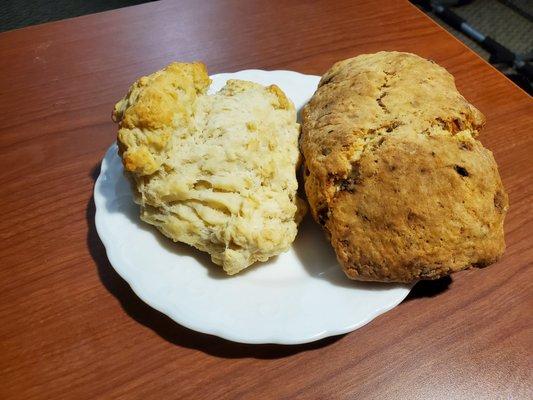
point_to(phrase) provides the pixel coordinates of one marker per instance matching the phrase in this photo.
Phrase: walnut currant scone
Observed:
(394, 172)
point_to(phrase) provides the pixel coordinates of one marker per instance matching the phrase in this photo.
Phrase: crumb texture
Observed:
(394, 172)
(214, 171)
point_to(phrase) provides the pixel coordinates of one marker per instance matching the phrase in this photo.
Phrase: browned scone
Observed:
(394, 174)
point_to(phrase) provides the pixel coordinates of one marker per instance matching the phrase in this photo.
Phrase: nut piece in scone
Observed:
(214, 171)
(394, 172)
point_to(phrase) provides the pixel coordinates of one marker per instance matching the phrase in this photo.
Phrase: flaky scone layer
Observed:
(214, 171)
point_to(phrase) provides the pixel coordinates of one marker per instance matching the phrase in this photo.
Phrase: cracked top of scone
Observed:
(214, 171)
(394, 173)
(364, 97)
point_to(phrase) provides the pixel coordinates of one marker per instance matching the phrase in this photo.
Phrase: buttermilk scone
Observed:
(214, 171)
(394, 173)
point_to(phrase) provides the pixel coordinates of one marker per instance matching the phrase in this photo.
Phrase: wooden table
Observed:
(70, 327)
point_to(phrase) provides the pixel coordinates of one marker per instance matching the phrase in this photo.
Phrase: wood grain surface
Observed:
(71, 328)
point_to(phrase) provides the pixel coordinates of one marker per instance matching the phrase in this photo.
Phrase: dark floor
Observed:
(510, 22)
(20, 13)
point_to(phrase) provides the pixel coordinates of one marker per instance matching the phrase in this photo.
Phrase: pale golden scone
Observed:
(394, 174)
(214, 171)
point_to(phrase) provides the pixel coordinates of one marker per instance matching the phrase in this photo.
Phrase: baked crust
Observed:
(394, 173)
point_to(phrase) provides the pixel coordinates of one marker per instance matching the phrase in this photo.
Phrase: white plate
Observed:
(297, 297)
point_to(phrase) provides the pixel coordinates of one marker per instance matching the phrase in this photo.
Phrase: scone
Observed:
(394, 173)
(214, 171)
